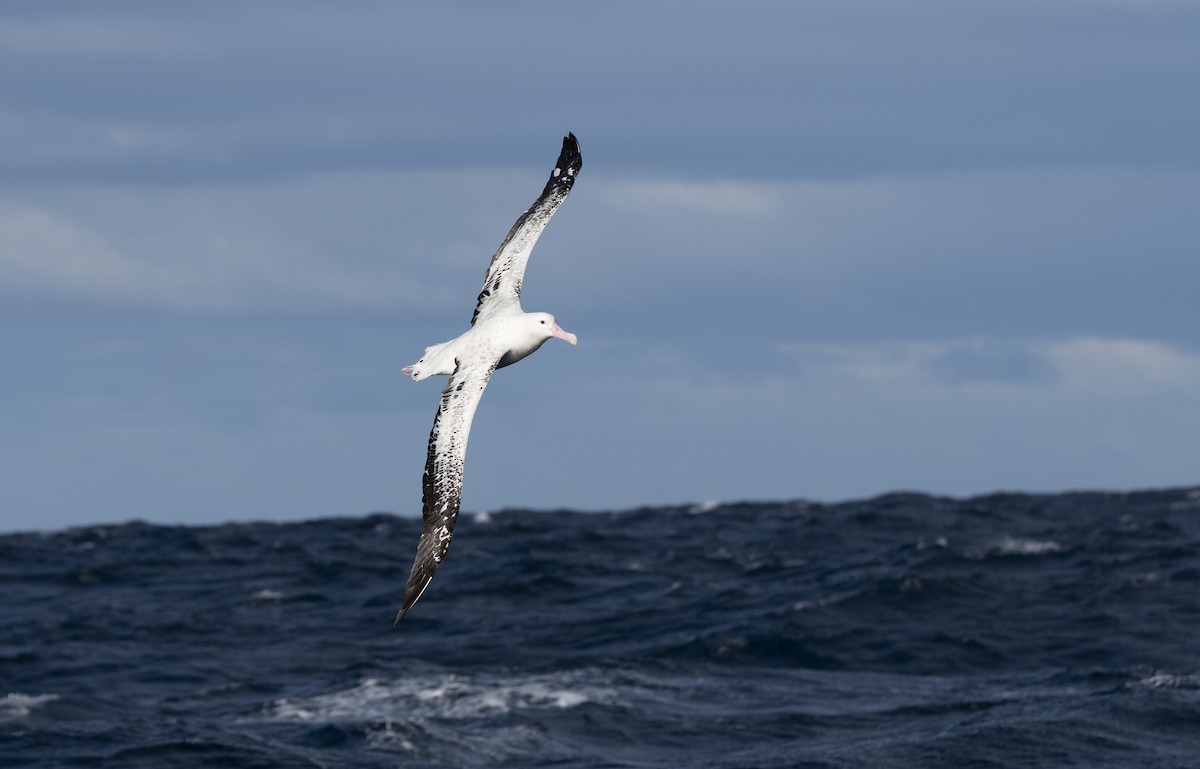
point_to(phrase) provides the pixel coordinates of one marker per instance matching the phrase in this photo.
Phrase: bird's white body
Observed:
(505, 338)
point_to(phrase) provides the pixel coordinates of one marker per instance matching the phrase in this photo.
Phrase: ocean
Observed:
(907, 630)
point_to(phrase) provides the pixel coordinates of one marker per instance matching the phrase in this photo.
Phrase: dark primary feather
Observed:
(441, 483)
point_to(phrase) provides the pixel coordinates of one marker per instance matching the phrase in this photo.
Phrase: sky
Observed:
(819, 250)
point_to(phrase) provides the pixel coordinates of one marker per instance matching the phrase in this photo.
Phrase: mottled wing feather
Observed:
(502, 286)
(441, 485)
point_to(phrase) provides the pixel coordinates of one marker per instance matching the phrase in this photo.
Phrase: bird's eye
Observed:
(542, 322)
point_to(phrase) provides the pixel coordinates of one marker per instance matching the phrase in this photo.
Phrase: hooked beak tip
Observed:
(563, 334)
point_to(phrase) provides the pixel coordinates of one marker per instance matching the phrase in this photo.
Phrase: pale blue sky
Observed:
(818, 250)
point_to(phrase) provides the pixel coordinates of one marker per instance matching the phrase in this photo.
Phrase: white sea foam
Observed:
(16, 705)
(267, 596)
(1169, 681)
(1014, 546)
(1019, 546)
(1191, 499)
(446, 697)
(704, 507)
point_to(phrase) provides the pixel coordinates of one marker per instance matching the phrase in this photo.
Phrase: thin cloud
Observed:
(1124, 365)
(723, 198)
(48, 254)
(1086, 364)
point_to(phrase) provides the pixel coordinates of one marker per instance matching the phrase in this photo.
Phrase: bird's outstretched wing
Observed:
(502, 286)
(441, 486)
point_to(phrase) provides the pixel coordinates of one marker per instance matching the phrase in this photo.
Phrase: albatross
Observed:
(501, 334)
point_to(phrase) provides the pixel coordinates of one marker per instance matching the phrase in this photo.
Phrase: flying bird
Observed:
(501, 334)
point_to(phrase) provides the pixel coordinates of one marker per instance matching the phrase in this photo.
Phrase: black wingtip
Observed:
(400, 614)
(408, 604)
(413, 591)
(570, 157)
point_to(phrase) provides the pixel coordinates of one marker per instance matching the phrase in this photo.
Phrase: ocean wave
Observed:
(902, 631)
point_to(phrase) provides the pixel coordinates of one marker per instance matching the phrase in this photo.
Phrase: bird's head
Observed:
(546, 326)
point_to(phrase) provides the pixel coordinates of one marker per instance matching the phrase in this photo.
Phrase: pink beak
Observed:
(566, 336)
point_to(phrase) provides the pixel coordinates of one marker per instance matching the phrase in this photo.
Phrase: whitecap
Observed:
(1169, 681)
(16, 705)
(1014, 546)
(1018, 546)
(440, 697)
(1191, 499)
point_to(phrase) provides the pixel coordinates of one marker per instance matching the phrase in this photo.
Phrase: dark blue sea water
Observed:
(902, 631)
